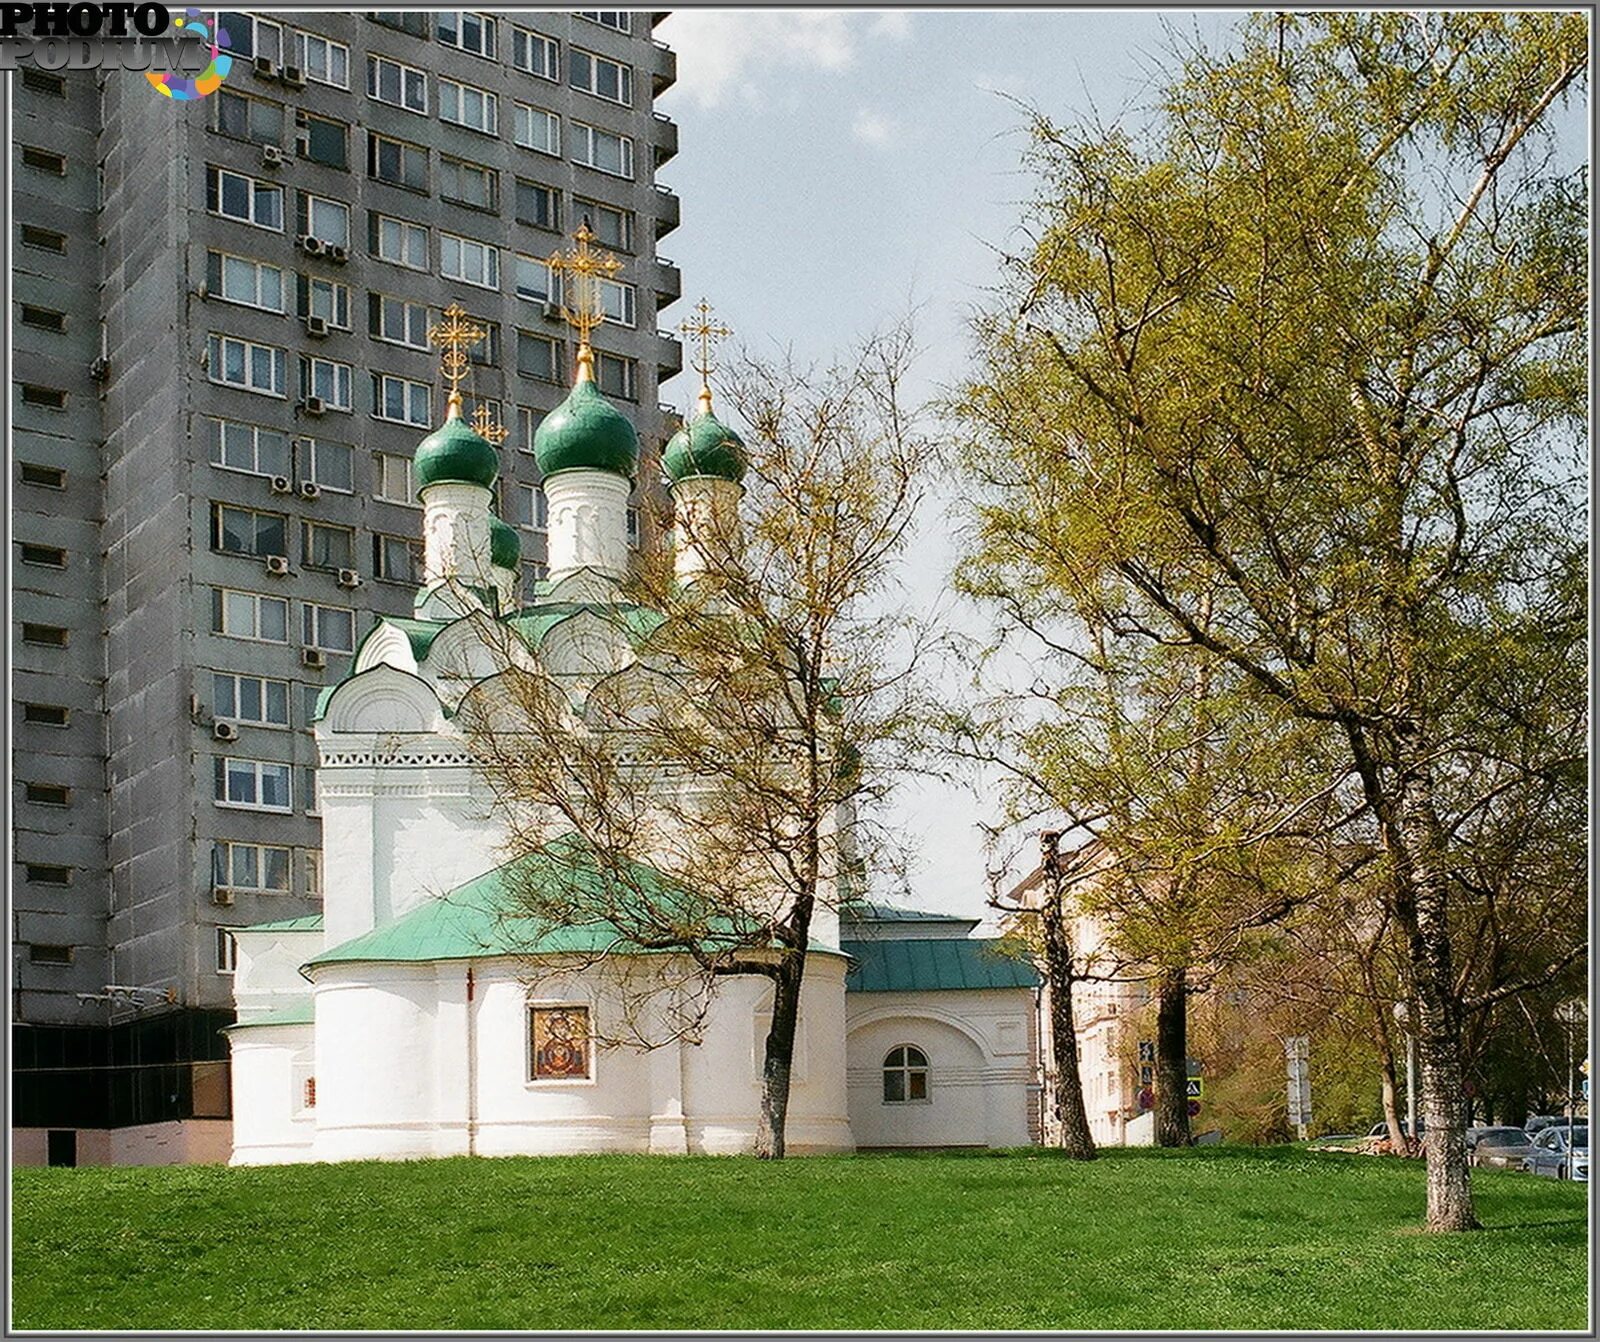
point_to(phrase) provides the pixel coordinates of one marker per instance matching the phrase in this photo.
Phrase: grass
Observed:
(1208, 1238)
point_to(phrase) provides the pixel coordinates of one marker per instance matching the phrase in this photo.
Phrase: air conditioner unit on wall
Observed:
(311, 246)
(281, 484)
(294, 76)
(271, 155)
(266, 67)
(224, 730)
(314, 658)
(310, 489)
(317, 326)
(315, 405)
(337, 254)
(221, 895)
(277, 565)
(348, 577)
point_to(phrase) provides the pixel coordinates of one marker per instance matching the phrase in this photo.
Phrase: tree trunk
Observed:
(1172, 1060)
(778, 1064)
(1391, 1111)
(1076, 1139)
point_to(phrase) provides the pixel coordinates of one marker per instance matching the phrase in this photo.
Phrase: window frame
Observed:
(490, 45)
(303, 42)
(309, 529)
(306, 208)
(552, 123)
(532, 40)
(310, 470)
(624, 76)
(454, 164)
(381, 468)
(237, 714)
(312, 631)
(375, 83)
(222, 867)
(489, 258)
(219, 530)
(380, 378)
(219, 291)
(376, 220)
(905, 1071)
(222, 784)
(489, 101)
(381, 543)
(587, 136)
(257, 187)
(217, 447)
(216, 349)
(344, 379)
(220, 622)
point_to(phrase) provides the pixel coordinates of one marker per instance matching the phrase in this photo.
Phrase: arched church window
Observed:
(905, 1076)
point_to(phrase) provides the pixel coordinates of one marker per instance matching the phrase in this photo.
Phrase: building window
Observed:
(252, 784)
(397, 322)
(51, 398)
(253, 284)
(533, 573)
(254, 699)
(249, 448)
(536, 54)
(323, 61)
(45, 477)
(47, 794)
(313, 867)
(326, 220)
(330, 466)
(601, 150)
(311, 696)
(263, 369)
(250, 616)
(619, 302)
(396, 240)
(324, 141)
(538, 356)
(44, 239)
(486, 353)
(42, 160)
(227, 952)
(399, 85)
(249, 36)
(905, 1076)
(397, 163)
(327, 547)
(325, 299)
(535, 128)
(397, 559)
(538, 205)
(41, 954)
(401, 400)
(471, 262)
(528, 507)
(527, 425)
(633, 527)
(244, 531)
(247, 118)
(589, 73)
(328, 381)
(394, 479)
(43, 556)
(44, 635)
(607, 18)
(463, 105)
(44, 319)
(535, 280)
(38, 81)
(48, 873)
(45, 715)
(467, 31)
(250, 868)
(329, 628)
(235, 196)
(469, 184)
(616, 376)
(310, 787)
(559, 1043)
(413, 21)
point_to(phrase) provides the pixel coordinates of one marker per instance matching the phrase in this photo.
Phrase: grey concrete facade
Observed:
(150, 555)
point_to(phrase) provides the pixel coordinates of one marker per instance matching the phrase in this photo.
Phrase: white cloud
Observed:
(875, 129)
(728, 52)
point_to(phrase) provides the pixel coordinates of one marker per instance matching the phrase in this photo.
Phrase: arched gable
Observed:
(383, 699)
(386, 645)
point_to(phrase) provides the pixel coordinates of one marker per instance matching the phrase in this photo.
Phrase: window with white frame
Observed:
(528, 507)
(397, 162)
(538, 205)
(905, 1076)
(248, 365)
(249, 36)
(467, 31)
(396, 559)
(323, 61)
(616, 376)
(329, 547)
(463, 105)
(329, 381)
(248, 531)
(249, 616)
(313, 869)
(396, 321)
(309, 791)
(469, 261)
(323, 219)
(399, 85)
(311, 696)
(618, 301)
(469, 184)
(535, 128)
(329, 628)
(398, 241)
(535, 280)
(486, 353)
(249, 448)
(394, 479)
(227, 952)
(326, 299)
(611, 227)
(246, 199)
(538, 357)
(596, 75)
(527, 425)
(255, 699)
(601, 150)
(607, 18)
(330, 466)
(255, 785)
(535, 54)
(250, 868)
(402, 400)
(247, 118)
(236, 279)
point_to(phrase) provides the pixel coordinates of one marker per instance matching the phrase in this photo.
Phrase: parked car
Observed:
(1539, 1122)
(1382, 1129)
(1498, 1148)
(1549, 1154)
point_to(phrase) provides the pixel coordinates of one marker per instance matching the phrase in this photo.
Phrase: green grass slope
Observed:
(1209, 1238)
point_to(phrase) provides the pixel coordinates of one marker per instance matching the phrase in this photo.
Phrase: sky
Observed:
(841, 168)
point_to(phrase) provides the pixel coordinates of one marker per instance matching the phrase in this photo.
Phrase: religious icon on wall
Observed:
(560, 1043)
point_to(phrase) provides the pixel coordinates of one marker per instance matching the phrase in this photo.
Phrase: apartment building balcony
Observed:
(669, 211)
(668, 283)
(664, 74)
(669, 357)
(665, 139)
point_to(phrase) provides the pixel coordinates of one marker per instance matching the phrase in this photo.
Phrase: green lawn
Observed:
(1207, 1238)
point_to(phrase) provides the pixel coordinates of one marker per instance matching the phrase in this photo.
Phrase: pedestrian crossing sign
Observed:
(1192, 1088)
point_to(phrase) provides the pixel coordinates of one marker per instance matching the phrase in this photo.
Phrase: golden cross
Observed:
(487, 426)
(582, 270)
(708, 334)
(456, 334)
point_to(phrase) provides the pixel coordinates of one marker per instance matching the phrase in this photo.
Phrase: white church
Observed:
(409, 1020)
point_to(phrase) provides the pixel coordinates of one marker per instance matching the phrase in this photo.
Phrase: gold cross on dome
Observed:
(487, 426)
(455, 335)
(703, 329)
(582, 269)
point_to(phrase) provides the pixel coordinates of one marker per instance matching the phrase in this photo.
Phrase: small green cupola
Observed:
(586, 432)
(455, 453)
(704, 446)
(505, 546)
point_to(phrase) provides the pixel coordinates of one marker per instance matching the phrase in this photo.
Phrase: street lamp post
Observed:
(1570, 1013)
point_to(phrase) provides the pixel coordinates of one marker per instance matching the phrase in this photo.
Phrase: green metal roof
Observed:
(933, 964)
(457, 453)
(296, 1012)
(586, 432)
(311, 922)
(865, 911)
(704, 447)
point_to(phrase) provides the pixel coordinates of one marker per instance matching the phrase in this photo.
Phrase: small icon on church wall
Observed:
(560, 1043)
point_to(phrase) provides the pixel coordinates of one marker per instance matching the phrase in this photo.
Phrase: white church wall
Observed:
(272, 1125)
(268, 969)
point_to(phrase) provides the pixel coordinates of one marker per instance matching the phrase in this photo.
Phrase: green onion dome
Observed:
(455, 454)
(505, 546)
(586, 432)
(704, 447)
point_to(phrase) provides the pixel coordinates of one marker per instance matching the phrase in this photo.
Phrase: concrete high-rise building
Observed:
(221, 368)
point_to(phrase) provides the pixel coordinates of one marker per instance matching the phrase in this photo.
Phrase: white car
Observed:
(1550, 1155)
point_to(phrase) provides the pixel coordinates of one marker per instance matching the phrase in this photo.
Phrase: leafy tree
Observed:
(1296, 379)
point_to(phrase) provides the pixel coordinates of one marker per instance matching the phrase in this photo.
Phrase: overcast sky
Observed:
(840, 167)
